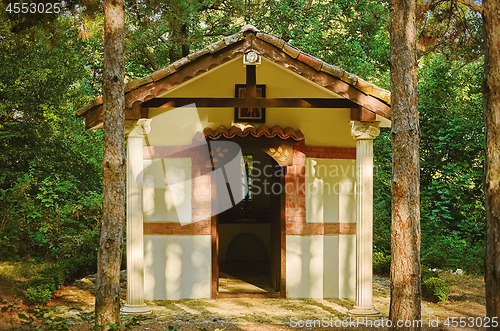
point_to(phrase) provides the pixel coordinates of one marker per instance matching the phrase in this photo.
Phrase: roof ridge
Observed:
(310, 60)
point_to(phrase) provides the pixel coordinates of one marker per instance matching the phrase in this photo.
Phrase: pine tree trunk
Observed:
(113, 216)
(405, 233)
(491, 105)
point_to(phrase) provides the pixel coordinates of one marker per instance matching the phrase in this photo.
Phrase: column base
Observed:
(135, 309)
(365, 311)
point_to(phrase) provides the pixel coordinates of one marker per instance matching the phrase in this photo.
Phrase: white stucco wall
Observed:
(330, 194)
(339, 268)
(167, 191)
(321, 266)
(325, 266)
(177, 267)
(304, 266)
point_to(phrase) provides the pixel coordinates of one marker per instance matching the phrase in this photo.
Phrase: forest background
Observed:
(50, 65)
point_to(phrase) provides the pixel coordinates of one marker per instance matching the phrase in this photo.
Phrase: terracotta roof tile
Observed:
(290, 50)
(271, 40)
(263, 130)
(310, 61)
(332, 70)
(179, 63)
(217, 46)
(197, 54)
(249, 27)
(135, 83)
(234, 38)
(241, 130)
(157, 75)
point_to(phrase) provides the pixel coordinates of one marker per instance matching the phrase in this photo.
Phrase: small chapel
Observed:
(249, 174)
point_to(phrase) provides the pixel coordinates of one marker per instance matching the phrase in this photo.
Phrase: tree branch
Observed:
(472, 5)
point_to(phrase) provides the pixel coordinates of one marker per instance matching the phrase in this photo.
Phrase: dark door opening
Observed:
(250, 236)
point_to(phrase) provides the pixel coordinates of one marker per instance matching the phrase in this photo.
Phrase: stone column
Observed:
(364, 133)
(135, 232)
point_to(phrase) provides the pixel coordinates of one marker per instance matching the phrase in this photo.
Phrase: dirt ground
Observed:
(76, 303)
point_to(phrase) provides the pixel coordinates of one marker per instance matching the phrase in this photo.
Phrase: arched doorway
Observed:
(248, 251)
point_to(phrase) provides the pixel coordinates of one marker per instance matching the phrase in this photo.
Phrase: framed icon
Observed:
(257, 115)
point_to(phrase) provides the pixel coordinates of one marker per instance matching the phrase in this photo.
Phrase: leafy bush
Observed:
(436, 289)
(46, 282)
(43, 287)
(381, 263)
(74, 268)
(53, 274)
(41, 290)
(426, 273)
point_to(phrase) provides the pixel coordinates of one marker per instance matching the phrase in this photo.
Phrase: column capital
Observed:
(138, 129)
(365, 130)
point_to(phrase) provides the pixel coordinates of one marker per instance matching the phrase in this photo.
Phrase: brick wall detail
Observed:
(201, 191)
(320, 152)
(315, 229)
(295, 203)
(169, 228)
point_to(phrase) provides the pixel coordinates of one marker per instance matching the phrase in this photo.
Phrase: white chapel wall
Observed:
(324, 266)
(177, 267)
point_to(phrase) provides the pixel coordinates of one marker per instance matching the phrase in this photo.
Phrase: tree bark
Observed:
(113, 216)
(491, 105)
(405, 232)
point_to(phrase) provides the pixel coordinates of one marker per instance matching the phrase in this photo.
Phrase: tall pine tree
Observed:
(113, 217)
(405, 235)
(491, 106)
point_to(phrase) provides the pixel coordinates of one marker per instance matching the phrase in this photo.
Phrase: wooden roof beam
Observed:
(250, 103)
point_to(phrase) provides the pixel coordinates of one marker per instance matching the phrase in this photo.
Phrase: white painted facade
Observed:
(177, 267)
(320, 266)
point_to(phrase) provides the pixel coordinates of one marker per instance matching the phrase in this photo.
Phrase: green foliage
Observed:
(39, 295)
(50, 189)
(450, 28)
(43, 287)
(436, 289)
(74, 268)
(452, 160)
(356, 38)
(381, 263)
(382, 158)
(425, 273)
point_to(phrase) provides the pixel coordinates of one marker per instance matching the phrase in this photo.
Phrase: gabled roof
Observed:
(349, 86)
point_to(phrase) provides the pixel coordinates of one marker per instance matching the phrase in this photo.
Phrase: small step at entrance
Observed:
(245, 278)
